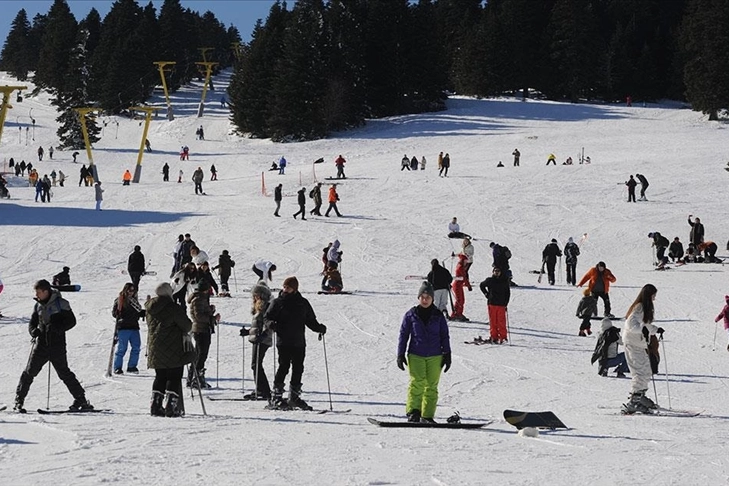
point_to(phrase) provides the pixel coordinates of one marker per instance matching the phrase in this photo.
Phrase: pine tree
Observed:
(75, 95)
(14, 57)
(35, 37)
(91, 24)
(57, 43)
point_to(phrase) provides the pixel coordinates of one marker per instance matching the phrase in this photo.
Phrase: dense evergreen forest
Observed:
(316, 66)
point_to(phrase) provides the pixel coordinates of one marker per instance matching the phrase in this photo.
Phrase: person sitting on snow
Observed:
(606, 350)
(333, 279)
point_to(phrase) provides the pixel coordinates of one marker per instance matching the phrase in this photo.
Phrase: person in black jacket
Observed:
(498, 292)
(185, 255)
(631, 183)
(277, 197)
(675, 250)
(224, 267)
(696, 236)
(549, 257)
(288, 314)
(127, 310)
(660, 242)
(440, 278)
(63, 278)
(571, 252)
(204, 273)
(643, 186)
(136, 266)
(52, 317)
(302, 204)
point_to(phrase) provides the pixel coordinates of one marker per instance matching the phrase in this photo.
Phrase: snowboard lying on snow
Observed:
(67, 288)
(539, 420)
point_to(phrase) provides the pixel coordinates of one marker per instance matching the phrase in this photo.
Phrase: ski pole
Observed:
(235, 281)
(48, 394)
(257, 350)
(713, 347)
(665, 365)
(508, 328)
(323, 340)
(217, 358)
(243, 368)
(560, 270)
(655, 391)
(199, 388)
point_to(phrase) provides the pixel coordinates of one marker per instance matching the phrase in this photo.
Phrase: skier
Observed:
(333, 198)
(497, 291)
(39, 191)
(660, 243)
(63, 278)
(332, 279)
(315, 194)
(74, 155)
(169, 349)
(552, 158)
(99, 195)
(340, 167)
(197, 178)
(637, 331)
(631, 183)
(675, 250)
(204, 320)
(585, 310)
(571, 252)
(440, 278)
(277, 197)
(404, 163)
(126, 178)
(454, 229)
(127, 310)
(445, 165)
(282, 165)
(724, 314)
(468, 250)
(457, 286)
(549, 257)
(643, 186)
(696, 236)
(516, 155)
(166, 172)
(52, 317)
(46, 189)
(301, 199)
(200, 133)
(424, 336)
(185, 255)
(606, 350)
(288, 314)
(23, 167)
(224, 267)
(260, 335)
(264, 270)
(213, 173)
(136, 266)
(598, 280)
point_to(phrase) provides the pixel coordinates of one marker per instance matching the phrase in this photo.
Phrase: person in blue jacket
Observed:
(424, 334)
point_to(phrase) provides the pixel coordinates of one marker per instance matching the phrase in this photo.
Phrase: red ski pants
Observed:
(460, 298)
(497, 321)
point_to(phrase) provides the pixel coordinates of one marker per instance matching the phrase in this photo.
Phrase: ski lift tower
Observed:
(147, 110)
(208, 67)
(82, 112)
(161, 66)
(5, 104)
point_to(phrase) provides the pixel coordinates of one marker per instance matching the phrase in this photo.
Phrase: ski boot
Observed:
(81, 405)
(156, 409)
(133, 370)
(637, 404)
(170, 407)
(278, 402)
(295, 400)
(424, 420)
(19, 405)
(414, 416)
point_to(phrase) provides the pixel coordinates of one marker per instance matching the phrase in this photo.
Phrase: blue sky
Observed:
(241, 13)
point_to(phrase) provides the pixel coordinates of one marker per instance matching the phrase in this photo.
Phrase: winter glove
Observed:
(660, 331)
(401, 363)
(244, 332)
(646, 334)
(35, 332)
(446, 363)
(323, 330)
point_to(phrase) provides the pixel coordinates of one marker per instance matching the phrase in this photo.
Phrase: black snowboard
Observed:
(67, 288)
(322, 292)
(416, 425)
(540, 420)
(598, 318)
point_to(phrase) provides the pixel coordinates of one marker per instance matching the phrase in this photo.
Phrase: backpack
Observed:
(506, 252)
(311, 194)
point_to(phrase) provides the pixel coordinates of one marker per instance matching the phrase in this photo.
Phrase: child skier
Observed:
(585, 310)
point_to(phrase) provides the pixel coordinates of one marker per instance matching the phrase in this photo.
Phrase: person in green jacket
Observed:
(169, 349)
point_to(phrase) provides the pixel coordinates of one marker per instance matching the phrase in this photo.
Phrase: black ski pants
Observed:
(168, 379)
(571, 272)
(550, 271)
(259, 373)
(317, 208)
(332, 205)
(49, 347)
(301, 211)
(202, 348)
(290, 356)
(631, 194)
(136, 277)
(605, 299)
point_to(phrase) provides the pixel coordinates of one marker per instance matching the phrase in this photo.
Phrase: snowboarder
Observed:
(696, 235)
(333, 198)
(424, 336)
(52, 318)
(675, 250)
(301, 199)
(224, 267)
(586, 309)
(552, 158)
(63, 278)
(631, 183)
(454, 229)
(516, 155)
(660, 243)
(277, 197)
(340, 167)
(213, 173)
(197, 178)
(445, 165)
(571, 252)
(204, 320)
(98, 195)
(458, 283)
(166, 172)
(264, 270)
(440, 278)
(136, 265)
(260, 335)
(127, 310)
(549, 257)
(169, 349)
(282, 165)
(598, 280)
(724, 314)
(606, 350)
(497, 291)
(637, 333)
(126, 178)
(315, 194)
(404, 163)
(643, 186)
(288, 314)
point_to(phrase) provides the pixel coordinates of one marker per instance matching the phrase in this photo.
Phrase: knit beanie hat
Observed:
(606, 324)
(570, 240)
(164, 290)
(426, 288)
(261, 290)
(291, 282)
(42, 285)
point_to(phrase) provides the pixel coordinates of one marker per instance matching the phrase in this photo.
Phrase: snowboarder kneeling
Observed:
(333, 279)
(585, 310)
(424, 335)
(606, 350)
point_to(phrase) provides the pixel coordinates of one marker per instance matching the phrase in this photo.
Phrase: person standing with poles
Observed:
(52, 318)
(497, 291)
(260, 335)
(549, 257)
(571, 252)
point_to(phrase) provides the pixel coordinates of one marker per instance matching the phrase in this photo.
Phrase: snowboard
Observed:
(67, 288)
(540, 420)
(598, 318)
(323, 292)
(664, 412)
(43, 411)
(424, 425)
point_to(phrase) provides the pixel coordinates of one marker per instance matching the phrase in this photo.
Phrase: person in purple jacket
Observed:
(424, 333)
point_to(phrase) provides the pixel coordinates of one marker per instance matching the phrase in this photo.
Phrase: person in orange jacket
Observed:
(459, 281)
(127, 178)
(599, 279)
(333, 198)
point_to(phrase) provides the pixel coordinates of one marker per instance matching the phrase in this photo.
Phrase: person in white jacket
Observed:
(264, 270)
(637, 331)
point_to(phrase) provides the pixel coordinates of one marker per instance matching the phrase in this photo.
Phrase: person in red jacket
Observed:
(333, 198)
(599, 279)
(340, 167)
(459, 281)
